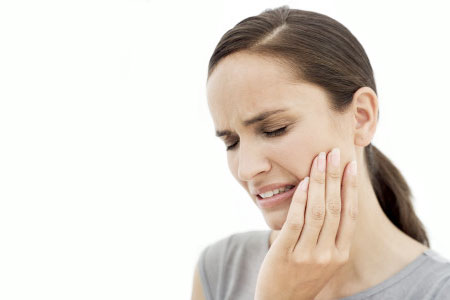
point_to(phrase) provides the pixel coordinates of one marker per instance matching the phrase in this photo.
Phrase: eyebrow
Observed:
(258, 118)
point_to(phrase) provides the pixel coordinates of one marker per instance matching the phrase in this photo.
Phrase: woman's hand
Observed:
(311, 246)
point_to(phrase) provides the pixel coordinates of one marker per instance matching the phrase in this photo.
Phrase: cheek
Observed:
(298, 150)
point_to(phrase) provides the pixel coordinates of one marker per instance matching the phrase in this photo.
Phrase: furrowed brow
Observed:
(258, 118)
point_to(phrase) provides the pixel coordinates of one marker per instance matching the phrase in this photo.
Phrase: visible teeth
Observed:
(275, 191)
(266, 194)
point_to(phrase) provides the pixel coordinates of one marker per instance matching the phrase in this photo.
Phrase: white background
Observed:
(111, 178)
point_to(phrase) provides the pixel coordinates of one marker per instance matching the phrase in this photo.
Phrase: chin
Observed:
(275, 218)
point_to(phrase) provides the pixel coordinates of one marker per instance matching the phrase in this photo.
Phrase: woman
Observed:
(284, 89)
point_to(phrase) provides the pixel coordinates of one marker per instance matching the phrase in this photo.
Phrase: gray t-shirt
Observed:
(229, 268)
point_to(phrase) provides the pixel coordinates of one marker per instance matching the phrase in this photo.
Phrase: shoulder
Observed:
(235, 256)
(435, 265)
(240, 241)
(425, 278)
(437, 274)
(431, 280)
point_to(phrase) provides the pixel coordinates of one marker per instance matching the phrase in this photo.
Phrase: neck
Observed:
(378, 251)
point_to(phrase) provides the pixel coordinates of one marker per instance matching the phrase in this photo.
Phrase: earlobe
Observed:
(365, 103)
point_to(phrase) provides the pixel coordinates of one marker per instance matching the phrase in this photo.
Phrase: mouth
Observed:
(276, 199)
(289, 187)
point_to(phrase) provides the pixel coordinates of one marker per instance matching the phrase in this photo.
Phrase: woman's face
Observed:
(245, 85)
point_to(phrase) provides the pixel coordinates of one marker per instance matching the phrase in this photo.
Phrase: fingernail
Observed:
(352, 168)
(335, 157)
(321, 162)
(304, 184)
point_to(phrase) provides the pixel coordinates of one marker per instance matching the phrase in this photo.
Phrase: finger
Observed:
(327, 237)
(349, 211)
(315, 208)
(292, 227)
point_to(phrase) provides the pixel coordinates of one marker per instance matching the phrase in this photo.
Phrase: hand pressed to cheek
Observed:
(349, 209)
(315, 239)
(315, 205)
(328, 208)
(332, 209)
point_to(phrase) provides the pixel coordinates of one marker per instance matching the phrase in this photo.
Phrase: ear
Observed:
(365, 110)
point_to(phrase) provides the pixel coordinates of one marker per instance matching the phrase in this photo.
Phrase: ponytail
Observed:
(394, 194)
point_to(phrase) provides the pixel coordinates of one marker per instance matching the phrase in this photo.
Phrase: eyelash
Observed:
(275, 133)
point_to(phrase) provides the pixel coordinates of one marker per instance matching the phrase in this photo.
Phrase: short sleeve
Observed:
(228, 267)
(210, 266)
(203, 274)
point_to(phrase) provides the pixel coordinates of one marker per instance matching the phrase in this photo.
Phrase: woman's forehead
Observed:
(244, 74)
(243, 85)
(239, 107)
(245, 100)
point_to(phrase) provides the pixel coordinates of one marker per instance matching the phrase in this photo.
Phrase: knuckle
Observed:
(318, 212)
(323, 259)
(334, 207)
(302, 258)
(320, 179)
(353, 182)
(295, 226)
(334, 175)
(353, 212)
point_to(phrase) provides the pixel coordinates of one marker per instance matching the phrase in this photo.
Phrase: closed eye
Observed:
(277, 132)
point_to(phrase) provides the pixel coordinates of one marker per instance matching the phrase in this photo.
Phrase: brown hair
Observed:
(322, 51)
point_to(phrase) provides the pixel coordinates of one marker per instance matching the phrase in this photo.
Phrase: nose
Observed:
(252, 161)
